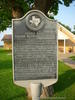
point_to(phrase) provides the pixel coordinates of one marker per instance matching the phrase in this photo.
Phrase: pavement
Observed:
(66, 59)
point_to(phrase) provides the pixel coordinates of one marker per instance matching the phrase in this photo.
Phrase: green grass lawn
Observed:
(8, 91)
(72, 57)
(64, 88)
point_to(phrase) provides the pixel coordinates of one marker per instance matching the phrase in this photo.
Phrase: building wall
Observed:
(70, 46)
(7, 45)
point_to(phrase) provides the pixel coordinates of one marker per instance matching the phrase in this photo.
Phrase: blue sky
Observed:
(66, 15)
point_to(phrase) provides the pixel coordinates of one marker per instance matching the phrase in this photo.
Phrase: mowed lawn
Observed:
(64, 89)
(72, 57)
(8, 91)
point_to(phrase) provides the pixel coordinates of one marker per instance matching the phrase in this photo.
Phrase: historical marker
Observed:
(34, 49)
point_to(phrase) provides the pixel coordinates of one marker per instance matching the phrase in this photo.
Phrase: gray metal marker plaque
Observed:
(34, 48)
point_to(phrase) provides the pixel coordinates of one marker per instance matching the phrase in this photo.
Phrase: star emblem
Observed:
(35, 21)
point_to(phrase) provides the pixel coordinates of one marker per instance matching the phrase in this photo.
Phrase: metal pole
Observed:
(36, 90)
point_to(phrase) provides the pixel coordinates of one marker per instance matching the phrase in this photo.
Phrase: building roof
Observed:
(7, 37)
(65, 31)
(62, 36)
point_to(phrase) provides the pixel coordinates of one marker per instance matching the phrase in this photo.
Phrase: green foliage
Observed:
(5, 14)
(7, 5)
(72, 57)
(67, 2)
(73, 32)
(66, 26)
(51, 17)
(74, 27)
(6, 11)
(54, 6)
(22, 4)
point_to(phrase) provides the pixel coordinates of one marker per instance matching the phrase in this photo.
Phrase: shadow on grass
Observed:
(65, 80)
(2, 50)
(6, 64)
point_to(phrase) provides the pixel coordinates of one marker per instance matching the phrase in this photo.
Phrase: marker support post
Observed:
(36, 90)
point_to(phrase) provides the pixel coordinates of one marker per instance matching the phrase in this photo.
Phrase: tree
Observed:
(17, 8)
(11, 9)
(66, 26)
(73, 30)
